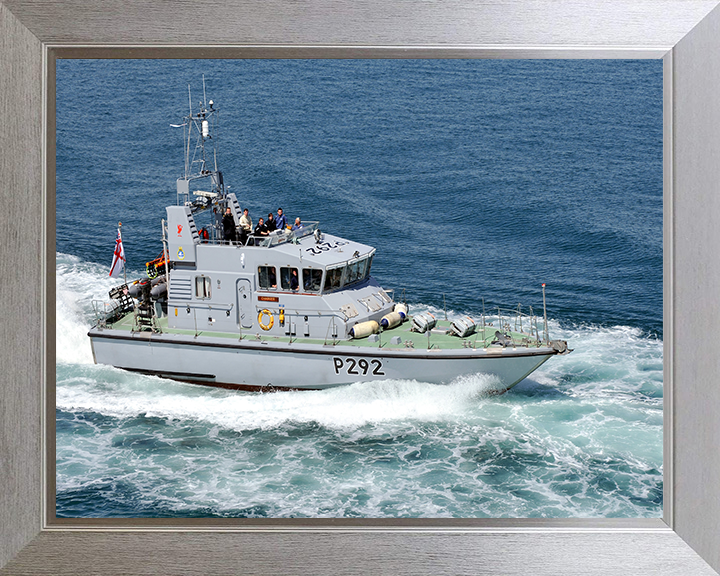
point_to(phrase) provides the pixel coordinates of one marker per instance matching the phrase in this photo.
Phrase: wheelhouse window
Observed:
(362, 268)
(357, 271)
(333, 278)
(289, 279)
(202, 287)
(369, 263)
(351, 274)
(312, 279)
(267, 277)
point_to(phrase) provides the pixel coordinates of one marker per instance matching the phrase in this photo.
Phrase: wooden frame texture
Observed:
(685, 33)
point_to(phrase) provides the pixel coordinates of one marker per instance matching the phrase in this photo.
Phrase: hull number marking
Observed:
(360, 367)
(324, 247)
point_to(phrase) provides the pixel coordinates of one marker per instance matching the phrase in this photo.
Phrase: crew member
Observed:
(246, 221)
(271, 225)
(281, 220)
(261, 229)
(228, 227)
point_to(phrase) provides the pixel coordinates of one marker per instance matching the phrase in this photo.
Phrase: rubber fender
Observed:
(391, 320)
(401, 309)
(364, 329)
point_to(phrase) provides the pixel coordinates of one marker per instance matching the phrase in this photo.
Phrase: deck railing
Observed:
(508, 320)
(273, 239)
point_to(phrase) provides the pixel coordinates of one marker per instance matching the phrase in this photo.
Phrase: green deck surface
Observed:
(438, 338)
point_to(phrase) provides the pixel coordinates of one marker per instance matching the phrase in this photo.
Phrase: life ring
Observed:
(269, 325)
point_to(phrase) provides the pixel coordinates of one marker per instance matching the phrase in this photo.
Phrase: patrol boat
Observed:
(294, 309)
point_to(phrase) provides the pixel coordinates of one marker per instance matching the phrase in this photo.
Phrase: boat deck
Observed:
(438, 338)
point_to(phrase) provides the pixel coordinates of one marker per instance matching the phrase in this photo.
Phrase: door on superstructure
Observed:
(246, 310)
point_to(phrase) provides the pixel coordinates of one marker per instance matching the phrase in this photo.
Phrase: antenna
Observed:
(189, 133)
(204, 97)
(200, 161)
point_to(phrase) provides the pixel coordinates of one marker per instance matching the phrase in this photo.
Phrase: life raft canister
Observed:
(423, 322)
(270, 323)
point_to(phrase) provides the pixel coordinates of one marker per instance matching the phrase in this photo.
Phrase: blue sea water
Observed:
(476, 180)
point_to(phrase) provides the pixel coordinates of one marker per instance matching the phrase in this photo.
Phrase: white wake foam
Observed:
(77, 284)
(347, 407)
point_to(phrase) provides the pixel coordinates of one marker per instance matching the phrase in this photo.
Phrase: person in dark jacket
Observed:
(228, 227)
(270, 224)
(261, 229)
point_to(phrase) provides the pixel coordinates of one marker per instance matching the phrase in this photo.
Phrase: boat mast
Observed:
(200, 126)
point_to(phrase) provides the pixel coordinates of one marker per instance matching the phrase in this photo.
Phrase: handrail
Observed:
(506, 315)
(275, 237)
(111, 310)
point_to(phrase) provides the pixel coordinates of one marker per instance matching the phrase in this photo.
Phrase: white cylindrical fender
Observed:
(391, 320)
(401, 309)
(423, 322)
(364, 329)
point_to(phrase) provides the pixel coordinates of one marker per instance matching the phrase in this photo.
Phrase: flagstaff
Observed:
(118, 257)
(123, 253)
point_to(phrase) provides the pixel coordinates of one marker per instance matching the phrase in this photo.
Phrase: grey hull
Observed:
(251, 364)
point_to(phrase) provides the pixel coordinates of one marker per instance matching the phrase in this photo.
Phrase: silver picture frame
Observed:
(685, 34)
